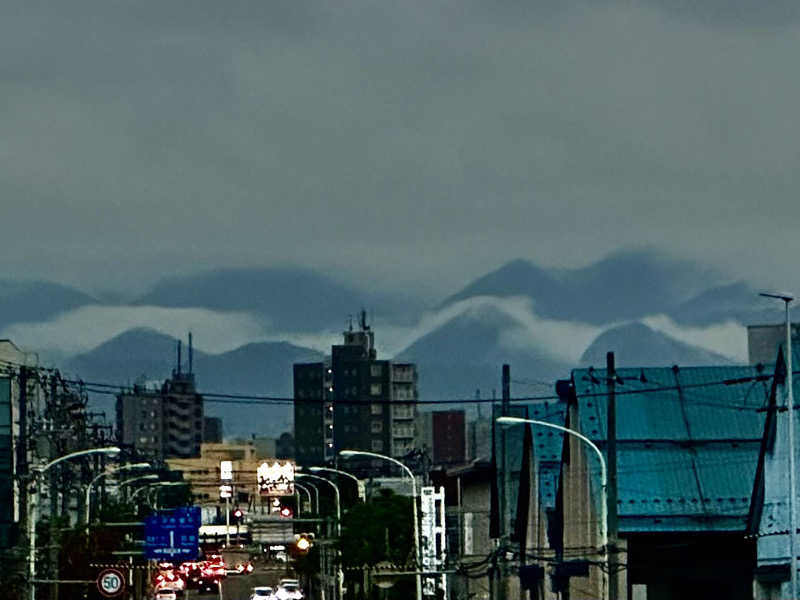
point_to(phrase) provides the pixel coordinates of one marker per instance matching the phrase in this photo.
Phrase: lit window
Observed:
(376, 426)
(375, 389)
(376, 409)
(376, 370)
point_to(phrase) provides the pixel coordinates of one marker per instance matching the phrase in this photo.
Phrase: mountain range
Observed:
(35, 301)
(145, 356)
(604, 302)
(287, 299)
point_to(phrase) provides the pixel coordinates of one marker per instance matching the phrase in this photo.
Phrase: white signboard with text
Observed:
(432, 540)
(276, 478)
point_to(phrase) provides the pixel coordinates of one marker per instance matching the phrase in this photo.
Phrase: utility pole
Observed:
(611, 496)
(505, 501)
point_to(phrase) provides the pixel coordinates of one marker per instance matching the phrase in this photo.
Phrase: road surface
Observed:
(238, 587)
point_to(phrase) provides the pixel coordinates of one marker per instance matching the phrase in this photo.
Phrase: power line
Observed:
(256, 399)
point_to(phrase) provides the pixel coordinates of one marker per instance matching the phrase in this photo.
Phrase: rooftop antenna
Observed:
(478, 398)
(179, 357)
(350, 322)
(190, 353)
(364, 326)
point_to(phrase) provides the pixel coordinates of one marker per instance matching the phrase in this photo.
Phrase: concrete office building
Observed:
(353, 400)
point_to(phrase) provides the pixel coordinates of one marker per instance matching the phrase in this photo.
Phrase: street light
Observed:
(337, 497)
(141, 478)
(787, 299)
(149, 486)
(339, 592)
(32, 506)
(349, 453)
(111, 470)
(308, 493)
(359, 484)
(603, 475)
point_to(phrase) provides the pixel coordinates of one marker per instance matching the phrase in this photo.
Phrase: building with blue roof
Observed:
(769, 522)
(688, 448)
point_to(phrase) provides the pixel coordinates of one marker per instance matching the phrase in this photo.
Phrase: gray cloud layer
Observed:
(414, 140)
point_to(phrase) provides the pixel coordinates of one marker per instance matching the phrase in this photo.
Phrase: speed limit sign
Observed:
(110, 582)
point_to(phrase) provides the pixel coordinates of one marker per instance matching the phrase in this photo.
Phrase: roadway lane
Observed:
(238, 587)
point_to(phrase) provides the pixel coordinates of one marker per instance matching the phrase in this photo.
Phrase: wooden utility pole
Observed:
(611, 459)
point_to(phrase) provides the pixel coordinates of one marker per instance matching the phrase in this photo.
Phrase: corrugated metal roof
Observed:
(547, 445)
(686, 404)
(688, 442)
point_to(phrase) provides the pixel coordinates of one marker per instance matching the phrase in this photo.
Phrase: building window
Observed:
(377, 445)
(376, 370)
(376, 426)
(375, 389)
(376, 409)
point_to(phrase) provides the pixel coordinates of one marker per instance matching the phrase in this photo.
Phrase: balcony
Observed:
(403, 374)
(403, 412)
(404, 432)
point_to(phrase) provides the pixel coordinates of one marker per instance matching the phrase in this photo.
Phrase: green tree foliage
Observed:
(378, 530)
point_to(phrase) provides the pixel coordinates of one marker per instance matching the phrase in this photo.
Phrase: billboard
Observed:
(276, 478)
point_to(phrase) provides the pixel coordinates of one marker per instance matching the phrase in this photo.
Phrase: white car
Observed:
(169, 594)
(289, 589)
(263, 592)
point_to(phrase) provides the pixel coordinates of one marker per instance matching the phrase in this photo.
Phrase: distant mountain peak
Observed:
(628, 284)
(637, 345)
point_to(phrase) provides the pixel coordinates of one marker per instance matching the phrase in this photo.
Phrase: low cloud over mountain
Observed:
(626, 285)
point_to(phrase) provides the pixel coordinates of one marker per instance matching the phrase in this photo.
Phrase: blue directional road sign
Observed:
(172, 534)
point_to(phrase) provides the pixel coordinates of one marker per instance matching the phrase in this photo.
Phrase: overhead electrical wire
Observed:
(115, 389)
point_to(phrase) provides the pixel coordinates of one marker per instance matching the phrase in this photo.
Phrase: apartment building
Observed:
(353, 400)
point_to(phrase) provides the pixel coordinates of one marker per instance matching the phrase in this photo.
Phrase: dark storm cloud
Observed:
(411, 140)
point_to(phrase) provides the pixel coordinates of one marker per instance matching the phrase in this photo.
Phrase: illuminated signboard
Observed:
(276, 478)
(226, 470)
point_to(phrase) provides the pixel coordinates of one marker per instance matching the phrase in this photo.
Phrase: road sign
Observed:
(110, 583)
(172, 534)
(226, 491)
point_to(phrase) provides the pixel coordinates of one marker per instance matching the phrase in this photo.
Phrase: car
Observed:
(262, 592)
(169, 580)
(169, 594)
(241, 568)
(289, 589)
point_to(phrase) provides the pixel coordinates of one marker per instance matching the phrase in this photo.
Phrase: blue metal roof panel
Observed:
(688, 442)
(547, 446)
(687, 404)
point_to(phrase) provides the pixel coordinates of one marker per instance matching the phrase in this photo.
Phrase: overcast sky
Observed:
(411, 140)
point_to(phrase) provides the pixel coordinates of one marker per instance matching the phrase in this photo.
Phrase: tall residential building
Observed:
(163, 423)
(354, 401)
